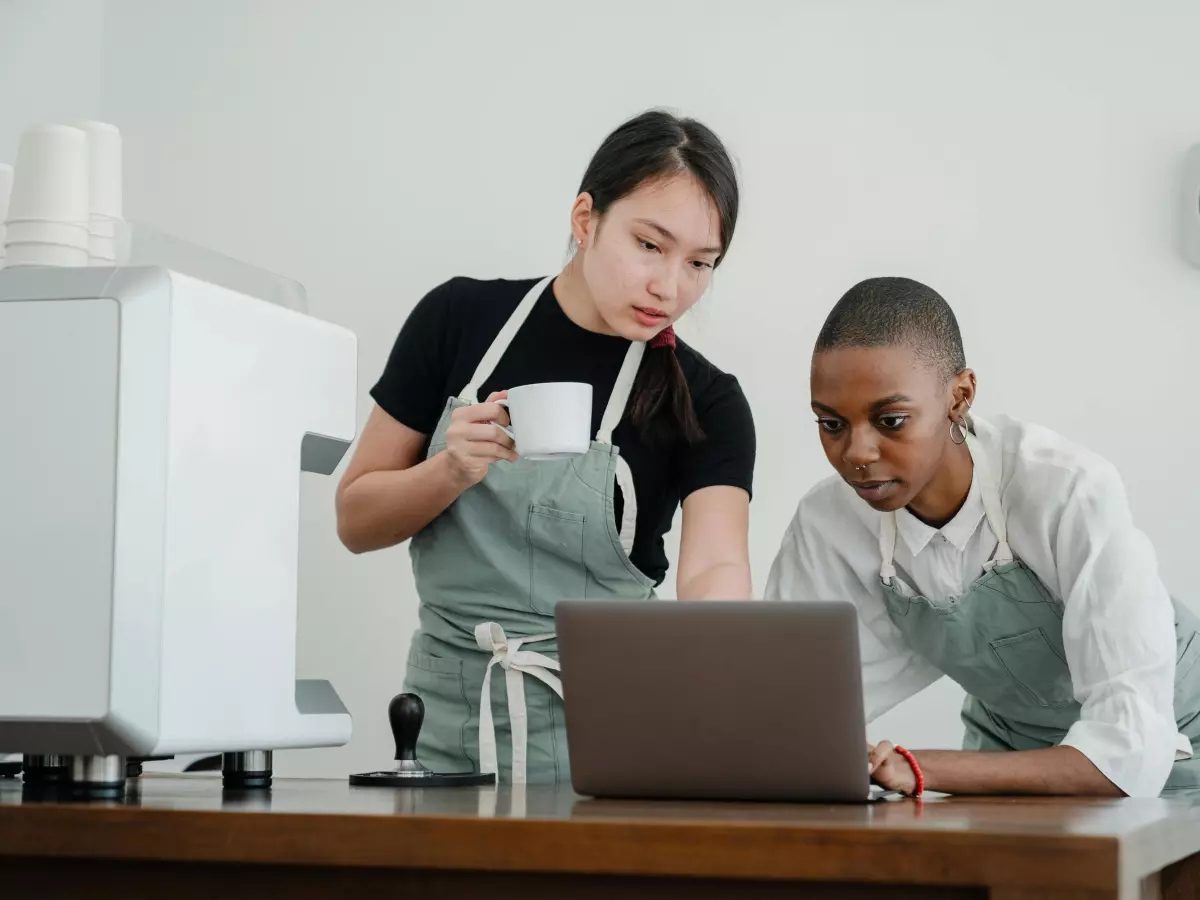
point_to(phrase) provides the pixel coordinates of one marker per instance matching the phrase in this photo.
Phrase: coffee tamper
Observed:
(406, 713)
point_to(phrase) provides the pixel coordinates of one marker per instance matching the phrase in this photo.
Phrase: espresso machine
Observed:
(154, 424)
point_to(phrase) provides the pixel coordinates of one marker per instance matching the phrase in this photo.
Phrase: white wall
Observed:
(1021, 157)
(51, 65)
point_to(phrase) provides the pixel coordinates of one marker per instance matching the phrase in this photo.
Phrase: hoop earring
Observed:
(961, 437)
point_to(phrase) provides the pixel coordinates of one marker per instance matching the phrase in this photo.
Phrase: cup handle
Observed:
(507, 431)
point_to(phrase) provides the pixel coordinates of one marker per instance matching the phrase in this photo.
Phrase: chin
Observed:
(636, 332)
(896, 499)
(888, 504)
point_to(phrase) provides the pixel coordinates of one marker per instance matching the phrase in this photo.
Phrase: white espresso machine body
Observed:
(153, 428)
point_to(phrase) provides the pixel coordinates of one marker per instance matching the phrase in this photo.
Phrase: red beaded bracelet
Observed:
(912, 761)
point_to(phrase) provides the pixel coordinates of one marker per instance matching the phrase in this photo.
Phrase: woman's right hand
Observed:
(473, 442)
(889, 769)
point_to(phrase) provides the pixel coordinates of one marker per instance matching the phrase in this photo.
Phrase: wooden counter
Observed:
(180, 837)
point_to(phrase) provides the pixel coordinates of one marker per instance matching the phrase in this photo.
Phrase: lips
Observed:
(650, 316)
(872, 491)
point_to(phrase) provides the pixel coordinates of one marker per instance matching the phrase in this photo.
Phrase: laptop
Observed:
(714, 700)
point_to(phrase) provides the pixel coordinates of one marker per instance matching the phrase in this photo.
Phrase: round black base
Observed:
(246, 781)
(10, 769)
(430, 779)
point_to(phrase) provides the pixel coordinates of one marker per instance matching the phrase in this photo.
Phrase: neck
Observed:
(575, 298)
(941, 499)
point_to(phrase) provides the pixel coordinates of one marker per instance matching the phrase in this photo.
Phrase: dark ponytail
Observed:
(653, 145)
(661, 386)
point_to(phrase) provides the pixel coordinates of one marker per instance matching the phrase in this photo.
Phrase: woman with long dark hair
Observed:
(498, 540)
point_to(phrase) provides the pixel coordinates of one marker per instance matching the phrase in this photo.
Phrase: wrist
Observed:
(451, 475)
(919, 779)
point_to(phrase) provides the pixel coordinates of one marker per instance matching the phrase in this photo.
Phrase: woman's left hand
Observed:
(889, 769)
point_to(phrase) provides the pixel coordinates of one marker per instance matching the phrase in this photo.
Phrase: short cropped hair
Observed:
(889, 312)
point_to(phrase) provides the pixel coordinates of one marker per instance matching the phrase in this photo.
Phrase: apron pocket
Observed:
(556, 570)
(1033, 664)
(435, 665)
(438, 681)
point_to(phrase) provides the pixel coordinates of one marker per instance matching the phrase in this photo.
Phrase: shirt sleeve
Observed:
(1119, 637)
(727, 453)
(813, 563)
(412, 388)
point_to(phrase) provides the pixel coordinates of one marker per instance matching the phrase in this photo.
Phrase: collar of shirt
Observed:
(917, 535)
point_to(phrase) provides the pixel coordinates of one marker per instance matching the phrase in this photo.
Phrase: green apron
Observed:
(1002, 642)
(489, 571)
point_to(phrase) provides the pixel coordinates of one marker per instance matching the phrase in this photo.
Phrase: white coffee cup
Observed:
(550, 421)
(50, 181)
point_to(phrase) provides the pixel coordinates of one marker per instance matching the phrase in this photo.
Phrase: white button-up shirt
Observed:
(1069, 521)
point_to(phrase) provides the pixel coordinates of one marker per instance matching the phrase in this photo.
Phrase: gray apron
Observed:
(1002, 642)
(489, 571)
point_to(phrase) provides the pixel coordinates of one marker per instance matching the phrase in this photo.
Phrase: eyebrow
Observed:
(670, 237)
(877, 405)
(888, 401)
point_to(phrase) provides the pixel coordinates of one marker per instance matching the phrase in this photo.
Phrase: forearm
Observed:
(722, 581)
(1054, 770)
(384, 508)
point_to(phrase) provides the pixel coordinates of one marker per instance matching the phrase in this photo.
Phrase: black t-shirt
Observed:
(452, 327)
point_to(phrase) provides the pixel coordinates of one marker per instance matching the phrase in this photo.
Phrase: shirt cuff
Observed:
(1136, 759)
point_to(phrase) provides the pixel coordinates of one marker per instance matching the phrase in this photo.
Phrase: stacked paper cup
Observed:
(66, 197)
(48, 210)
(104, 185)
(6, 180)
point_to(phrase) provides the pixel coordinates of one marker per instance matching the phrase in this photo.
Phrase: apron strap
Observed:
(617, 401)
(989, 491)
(622, 388)
(887, 546)
(487, 365)
(629, 510)
(516, 664)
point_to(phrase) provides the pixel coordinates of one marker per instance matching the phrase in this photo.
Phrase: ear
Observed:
(583, 222)
(962, 395)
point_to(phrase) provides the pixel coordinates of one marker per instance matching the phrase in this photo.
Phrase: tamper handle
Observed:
(406, 713)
